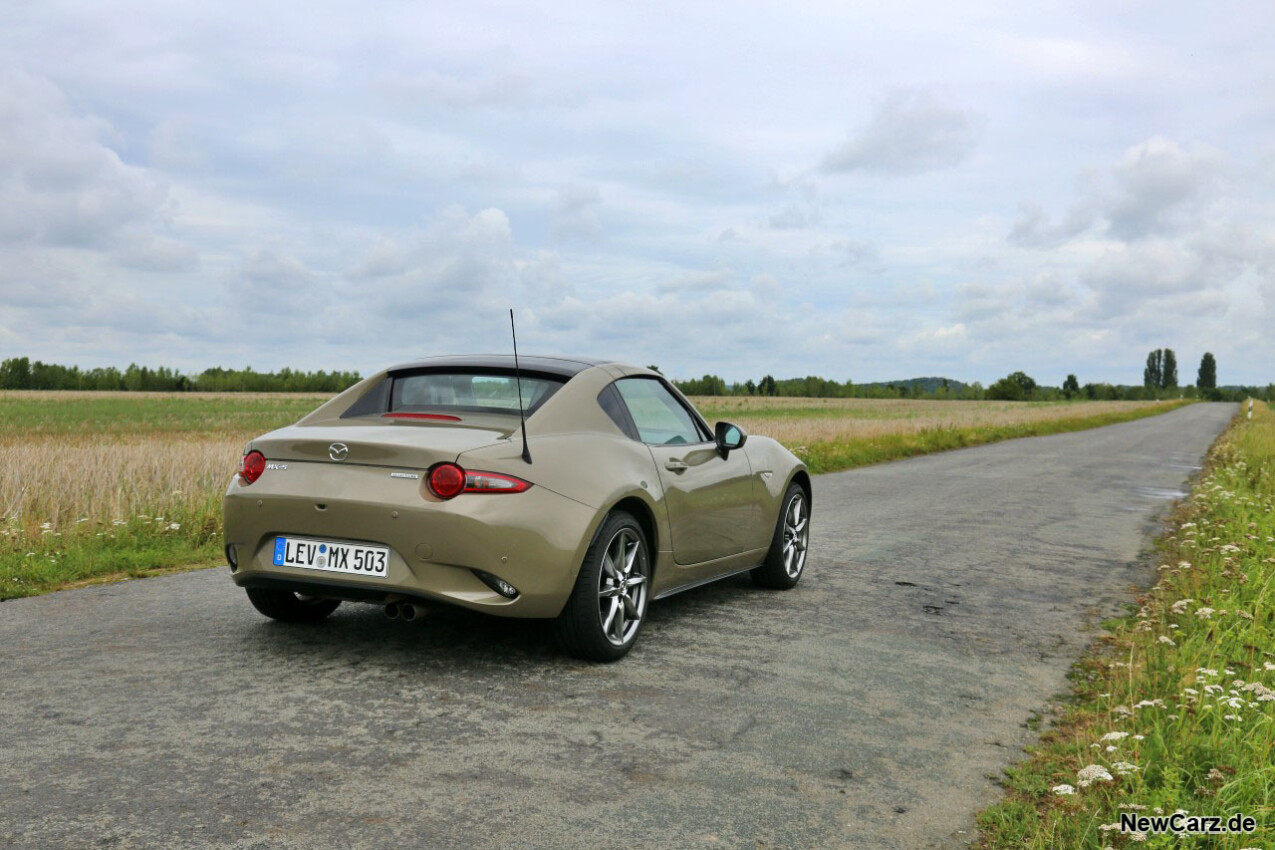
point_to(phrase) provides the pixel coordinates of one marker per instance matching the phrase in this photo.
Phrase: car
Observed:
(574, 489)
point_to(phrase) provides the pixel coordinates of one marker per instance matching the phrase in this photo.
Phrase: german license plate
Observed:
(351, 558)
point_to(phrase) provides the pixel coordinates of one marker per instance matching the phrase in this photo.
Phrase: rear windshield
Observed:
(457, 391)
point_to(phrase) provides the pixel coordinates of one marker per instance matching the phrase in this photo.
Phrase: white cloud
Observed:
(910, 133)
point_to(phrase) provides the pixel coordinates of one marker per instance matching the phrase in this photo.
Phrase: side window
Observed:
(611, 403)
(660, 418)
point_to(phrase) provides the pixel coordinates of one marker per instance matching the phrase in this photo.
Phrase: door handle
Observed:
(675, 465)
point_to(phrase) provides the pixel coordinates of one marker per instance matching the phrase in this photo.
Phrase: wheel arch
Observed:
(645, 517)
(802, 479)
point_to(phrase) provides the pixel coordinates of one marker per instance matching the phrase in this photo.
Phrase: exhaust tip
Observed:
(408, 611)
(392, 610)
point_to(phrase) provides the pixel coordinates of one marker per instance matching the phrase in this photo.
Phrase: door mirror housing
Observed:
(728, 437)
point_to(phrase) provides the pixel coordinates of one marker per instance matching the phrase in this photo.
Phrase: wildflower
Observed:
(1124, 768)
(173, 526)
(1114, 736)
(1063, 790)
(1179, 607)
(1231, 717)
(1268, 666)
(1111, 748)
(1205, 671)
(1091, 774)
(1204, 613)
(1165, 639)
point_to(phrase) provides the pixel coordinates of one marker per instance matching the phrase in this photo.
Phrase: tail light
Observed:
(254, 463)
(447, 480)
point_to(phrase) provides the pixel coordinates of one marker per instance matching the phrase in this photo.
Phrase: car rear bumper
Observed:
(533, 540)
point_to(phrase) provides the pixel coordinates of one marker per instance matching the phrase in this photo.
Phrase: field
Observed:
(99, 486)
(1174, 710)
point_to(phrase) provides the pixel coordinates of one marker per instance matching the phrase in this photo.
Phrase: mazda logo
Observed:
(338, 451)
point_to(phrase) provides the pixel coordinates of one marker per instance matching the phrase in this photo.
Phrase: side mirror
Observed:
(728, 436)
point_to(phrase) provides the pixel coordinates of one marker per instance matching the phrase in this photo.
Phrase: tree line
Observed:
(1160, 381)
(20, 373)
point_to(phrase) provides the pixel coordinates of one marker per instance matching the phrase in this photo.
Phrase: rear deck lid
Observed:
(405, 444)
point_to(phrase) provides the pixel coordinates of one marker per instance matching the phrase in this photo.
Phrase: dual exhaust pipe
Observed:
(403, 611)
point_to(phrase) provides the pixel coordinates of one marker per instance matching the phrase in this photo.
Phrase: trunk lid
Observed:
(379, 442)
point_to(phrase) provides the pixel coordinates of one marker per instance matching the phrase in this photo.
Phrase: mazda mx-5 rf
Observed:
(562, 488)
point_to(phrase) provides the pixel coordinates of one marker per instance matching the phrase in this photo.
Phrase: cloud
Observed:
(1159, 189)
(60, 184)
(575, 213)
(910, 133)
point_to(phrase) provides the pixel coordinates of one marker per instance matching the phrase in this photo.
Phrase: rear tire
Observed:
(288, 607)
(786, 559)
(607, 607)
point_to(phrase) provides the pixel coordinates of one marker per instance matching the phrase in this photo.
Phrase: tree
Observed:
(1153, 374)
(767, 385)
(1169, 370)
(1071, 387)
(1017, 386)
(1207, 379)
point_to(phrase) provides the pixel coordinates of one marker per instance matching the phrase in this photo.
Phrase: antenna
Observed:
(522, 417)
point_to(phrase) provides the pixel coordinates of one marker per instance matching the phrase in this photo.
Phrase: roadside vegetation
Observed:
(833, 434)
(98, 486)
(1174, 708)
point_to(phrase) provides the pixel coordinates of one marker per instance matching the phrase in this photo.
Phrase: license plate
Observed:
(351, 558)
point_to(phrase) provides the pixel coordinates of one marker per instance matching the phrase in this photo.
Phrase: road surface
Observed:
(945, 598)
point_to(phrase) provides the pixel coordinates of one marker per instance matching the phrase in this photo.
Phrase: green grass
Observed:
(1182, 690)
(24, 414)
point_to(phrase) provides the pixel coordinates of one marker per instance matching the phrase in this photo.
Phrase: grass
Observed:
(833, 434)
(120, 484)
(1174, 708)
(108, 484)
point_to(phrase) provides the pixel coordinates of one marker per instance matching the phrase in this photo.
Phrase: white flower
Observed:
(1091, 774)
(1204, 671)
(1114, 736)
(1063, 790)
(1165, 639)
(1179, 607)
(1204, 613)
(1124, 768)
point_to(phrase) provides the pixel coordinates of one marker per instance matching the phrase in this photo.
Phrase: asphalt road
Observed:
(944, 599)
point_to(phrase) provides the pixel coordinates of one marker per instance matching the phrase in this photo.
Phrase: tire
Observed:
(786, 559)
(607, 607)
(288, 607)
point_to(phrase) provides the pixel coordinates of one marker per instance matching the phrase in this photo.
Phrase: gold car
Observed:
(417, 485)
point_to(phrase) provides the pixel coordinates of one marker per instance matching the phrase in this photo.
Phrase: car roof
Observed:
(565, 367)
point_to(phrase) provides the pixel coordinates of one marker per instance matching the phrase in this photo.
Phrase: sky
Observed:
(860, 191)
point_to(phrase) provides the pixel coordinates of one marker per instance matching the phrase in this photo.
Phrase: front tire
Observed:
(607, 607)
(786, 559)
(288, 607)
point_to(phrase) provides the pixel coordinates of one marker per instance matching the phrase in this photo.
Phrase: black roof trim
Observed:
(566, 367)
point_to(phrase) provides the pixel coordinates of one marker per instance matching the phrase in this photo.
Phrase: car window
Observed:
(660, 418)
(455, 391)
(469, 391)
